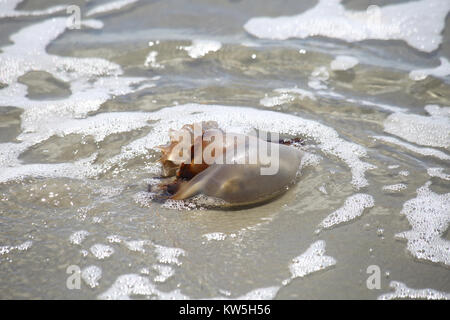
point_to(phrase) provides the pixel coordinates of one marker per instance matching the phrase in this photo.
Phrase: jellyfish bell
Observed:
(235, 168)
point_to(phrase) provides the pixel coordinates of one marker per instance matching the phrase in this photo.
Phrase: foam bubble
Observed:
(438, 172)
(436, 111)
(260, 294)
(151, 60)
(404, 173)
(199, 48)
(137, 245)
(8, 10)
(92, 81)
(114, 239)
(256, 294)
(21, 247)
(169, 255)
(92, 23)
(312, 260)
(101, 251)
(301, 93)
(132, 284)
(318, 78)
(354, 207)
(441, 71)
(111, 6)
(76, 170)
(165, 272)
(428, 131)
(403, 292)
(331, 19)
(423, 151)
(342, 63)
(323, 189)
(429, 216)
(91, 275)
(78, 237)
(276, 101)
(217, 236)
(286, 95)
(395, 187)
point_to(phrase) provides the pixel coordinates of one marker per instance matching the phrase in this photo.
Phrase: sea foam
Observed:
(331, 19)
(429, 217)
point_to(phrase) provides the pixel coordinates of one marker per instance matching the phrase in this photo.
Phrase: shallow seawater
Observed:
(82, 109)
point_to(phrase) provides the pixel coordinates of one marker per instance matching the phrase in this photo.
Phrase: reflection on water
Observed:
(82, 109)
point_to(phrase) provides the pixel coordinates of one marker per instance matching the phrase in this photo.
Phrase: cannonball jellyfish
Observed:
(236, 169)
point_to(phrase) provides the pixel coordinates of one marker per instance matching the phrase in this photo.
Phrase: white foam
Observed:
(76, 170)
(92, 23)
(137, 245)
(440, 71)
(404, 173)
(91, 276)
(21, 247)
(151, 60)
(111, 6)
(286, 95)
(128, 285)
(342, 63)
(403, 292)
(101, 251)
(8, 10)
(436, 111)
(318, 78)
(395, 187)
(418, 23)
(199, 48)
(145, 271)
(431, 130)
(276, 101)
(114, 239)
(167, 255)
(99, 126)
(301, 93)
(92, 82)
(312, 260)
(323, 189)
(268, 293)
(217, 236)
(78, 237)
(438, 172)
(353, 207)
(429, 216)
(423, 151)
(165, 272)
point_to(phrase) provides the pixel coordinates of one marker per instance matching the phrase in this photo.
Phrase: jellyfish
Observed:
(236, 169)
